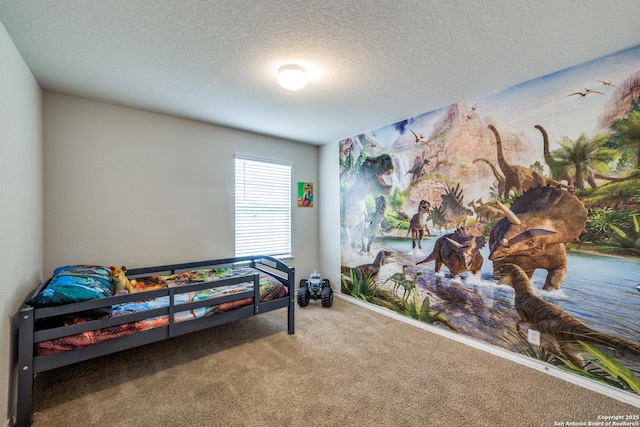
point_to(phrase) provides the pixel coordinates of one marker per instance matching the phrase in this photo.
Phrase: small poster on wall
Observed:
(305, 194)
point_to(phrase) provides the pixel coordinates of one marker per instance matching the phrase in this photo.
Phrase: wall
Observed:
(129, 187)
(20, 203)
(329, 205)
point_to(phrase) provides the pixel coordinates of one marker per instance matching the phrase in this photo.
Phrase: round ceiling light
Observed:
(292, 77)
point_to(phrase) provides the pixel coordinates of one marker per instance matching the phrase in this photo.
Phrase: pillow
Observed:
(74, 283)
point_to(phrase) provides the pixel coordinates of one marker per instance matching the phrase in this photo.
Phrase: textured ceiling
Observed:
(373, 62)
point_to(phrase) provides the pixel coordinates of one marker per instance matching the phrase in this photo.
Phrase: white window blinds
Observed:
(263, 207)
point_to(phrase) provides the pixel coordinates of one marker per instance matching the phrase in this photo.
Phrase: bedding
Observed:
(74, 283)
(269, 290)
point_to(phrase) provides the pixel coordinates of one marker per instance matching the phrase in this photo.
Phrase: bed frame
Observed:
(30, 364)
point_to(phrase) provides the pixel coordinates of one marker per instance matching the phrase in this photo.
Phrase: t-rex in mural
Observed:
(534, 231)
(496, 173)
(418, 224)
(459, 251)
(560, 332)
(562, 172)
(518, 177)
(370, 180)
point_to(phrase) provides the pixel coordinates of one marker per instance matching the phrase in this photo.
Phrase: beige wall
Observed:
(129, 187)
(20, 204)
(329, 207)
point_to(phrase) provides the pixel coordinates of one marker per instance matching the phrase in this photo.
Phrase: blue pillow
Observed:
(74, 283)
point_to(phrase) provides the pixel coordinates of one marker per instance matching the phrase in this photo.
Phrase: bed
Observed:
(57, 327)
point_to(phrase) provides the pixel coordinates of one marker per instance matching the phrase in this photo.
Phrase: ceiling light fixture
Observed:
(292, 77)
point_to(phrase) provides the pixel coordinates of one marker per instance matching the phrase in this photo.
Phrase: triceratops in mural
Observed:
(459, 251)
(370, 179)
(534, 231)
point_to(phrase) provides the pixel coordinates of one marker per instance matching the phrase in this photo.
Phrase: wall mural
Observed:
(512, 218)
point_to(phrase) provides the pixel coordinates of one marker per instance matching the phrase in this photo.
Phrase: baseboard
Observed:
(592, 385)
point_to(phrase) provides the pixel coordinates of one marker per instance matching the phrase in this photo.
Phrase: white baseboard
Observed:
(596, 386)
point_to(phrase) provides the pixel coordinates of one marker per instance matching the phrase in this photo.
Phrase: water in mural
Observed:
(512, 218)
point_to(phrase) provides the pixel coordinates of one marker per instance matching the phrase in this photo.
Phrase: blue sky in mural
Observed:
(545, 101)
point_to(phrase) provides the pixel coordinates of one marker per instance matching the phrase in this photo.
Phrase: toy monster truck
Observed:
(317, 288)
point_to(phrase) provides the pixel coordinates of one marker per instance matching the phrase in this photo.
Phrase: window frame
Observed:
(254, 181)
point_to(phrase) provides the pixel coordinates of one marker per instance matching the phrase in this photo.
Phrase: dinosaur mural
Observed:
(518, 178)
(459, 251)
(418, 224)
(452, 204)
(534, 251)
(502, 182)
(534, 231)
(370, 179)
(567, 172)
(373, 223)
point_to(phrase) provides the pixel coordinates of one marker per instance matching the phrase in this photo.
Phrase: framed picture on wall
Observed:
(305, 194)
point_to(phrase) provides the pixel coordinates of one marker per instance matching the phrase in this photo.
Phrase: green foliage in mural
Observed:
(366, 289)
(598, 229)
(396, 223)
(600, 367)
(518, 345)
(631, 241)
(606, 369)
(418, 311)
(626, 133)
(512, 197)
(537, 167)
(398, 199)
(612, 192)
(578, 156)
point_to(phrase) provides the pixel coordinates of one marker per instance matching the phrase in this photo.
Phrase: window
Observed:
(263, 207)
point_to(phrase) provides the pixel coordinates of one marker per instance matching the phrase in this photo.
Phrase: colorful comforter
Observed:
(270, 289)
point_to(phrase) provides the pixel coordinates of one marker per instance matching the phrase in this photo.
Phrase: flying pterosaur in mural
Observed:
(585, 93)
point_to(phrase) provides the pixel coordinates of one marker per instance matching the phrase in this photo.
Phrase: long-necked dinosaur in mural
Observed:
(534, 231)
(496, 173)
(518, 177)
(563, 172)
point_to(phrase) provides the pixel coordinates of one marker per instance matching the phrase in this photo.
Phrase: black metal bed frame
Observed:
(29, 333)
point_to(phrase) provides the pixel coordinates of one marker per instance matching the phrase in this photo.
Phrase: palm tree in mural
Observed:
(626, 132)
(582, 156)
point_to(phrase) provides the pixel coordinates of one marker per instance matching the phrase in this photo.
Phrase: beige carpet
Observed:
(345, 366)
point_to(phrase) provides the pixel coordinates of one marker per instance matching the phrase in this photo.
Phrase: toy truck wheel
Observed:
(303, 296)
(325, 283)
(327, 297)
